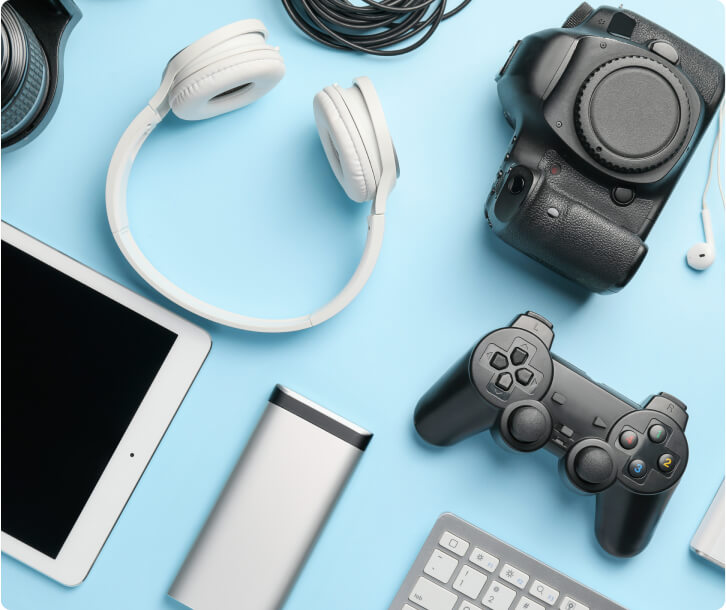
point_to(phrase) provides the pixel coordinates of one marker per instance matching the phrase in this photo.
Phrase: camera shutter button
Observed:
(666, 50)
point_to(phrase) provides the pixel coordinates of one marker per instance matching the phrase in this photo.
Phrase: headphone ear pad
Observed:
(346, 132)
(226, 84)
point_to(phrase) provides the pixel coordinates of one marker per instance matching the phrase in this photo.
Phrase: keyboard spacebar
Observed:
(432, 597)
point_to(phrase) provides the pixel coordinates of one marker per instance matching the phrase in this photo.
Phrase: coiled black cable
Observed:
(372, 27)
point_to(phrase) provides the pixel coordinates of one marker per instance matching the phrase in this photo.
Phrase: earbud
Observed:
(701, 256)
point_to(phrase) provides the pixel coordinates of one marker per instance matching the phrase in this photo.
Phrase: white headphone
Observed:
(700, 256)
(228, 69)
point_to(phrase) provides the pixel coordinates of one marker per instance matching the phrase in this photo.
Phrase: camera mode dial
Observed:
(633, 114)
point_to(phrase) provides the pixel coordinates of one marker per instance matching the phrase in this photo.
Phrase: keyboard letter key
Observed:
(498, 597)
(516, 577)
(454, 543)
(432, 597)
(570, 604)
(484, 560)
(470, 582)
(441, 566)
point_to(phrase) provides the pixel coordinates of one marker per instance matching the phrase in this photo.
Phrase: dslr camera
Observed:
(606, 111)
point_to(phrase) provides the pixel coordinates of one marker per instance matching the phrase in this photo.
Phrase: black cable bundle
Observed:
(371, 27)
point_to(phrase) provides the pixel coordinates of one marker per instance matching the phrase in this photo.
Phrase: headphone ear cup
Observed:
(226, 84)
(346, 132)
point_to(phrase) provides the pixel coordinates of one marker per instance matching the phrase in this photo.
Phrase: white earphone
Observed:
(700, 256)
(226, 70)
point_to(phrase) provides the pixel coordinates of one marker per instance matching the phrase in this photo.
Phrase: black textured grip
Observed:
(698, 66)
(575, 241)
(578, 16)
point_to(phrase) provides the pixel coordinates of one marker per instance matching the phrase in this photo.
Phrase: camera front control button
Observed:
(665, 50)
(499, 361)
(622, 195)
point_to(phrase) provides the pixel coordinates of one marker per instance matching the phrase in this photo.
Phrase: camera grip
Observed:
(574, 240)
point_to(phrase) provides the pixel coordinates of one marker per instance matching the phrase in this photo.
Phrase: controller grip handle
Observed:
(452, 409)
(625, 520)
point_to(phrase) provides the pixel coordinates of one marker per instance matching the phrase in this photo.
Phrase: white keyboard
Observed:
(461, 567)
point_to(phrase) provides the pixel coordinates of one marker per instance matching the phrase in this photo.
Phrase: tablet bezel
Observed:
(144, 433)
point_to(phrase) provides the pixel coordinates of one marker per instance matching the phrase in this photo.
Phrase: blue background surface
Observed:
(243, 211)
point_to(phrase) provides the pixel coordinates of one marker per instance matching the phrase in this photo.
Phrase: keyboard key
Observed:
(454, 543)
(407, 607)
(528, 604)
(431, 596)
(498, 597)
(513, 575)
(484, 560)
(544, 592)
(570, 604)
(470, 582)
(441, 566)
(465, 605)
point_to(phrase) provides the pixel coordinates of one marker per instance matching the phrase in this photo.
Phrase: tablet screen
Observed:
(76, 365)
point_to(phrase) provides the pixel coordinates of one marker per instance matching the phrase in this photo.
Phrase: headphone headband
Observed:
(236, 45)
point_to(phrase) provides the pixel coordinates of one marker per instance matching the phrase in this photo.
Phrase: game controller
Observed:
(632, 457)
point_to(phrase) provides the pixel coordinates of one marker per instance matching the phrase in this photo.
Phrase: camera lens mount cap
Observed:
(633, 114)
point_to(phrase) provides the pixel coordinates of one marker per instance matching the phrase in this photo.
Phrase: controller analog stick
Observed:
(594, 465)
(528, 425)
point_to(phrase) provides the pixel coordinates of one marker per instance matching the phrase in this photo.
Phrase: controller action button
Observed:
(599, 423)
(558, 398)
(499, 361)
(657, 433)
(594, 465)
(568, 432)
(622, 195)
(524, 376)
(518, 356)
(527, 425)
(637, 469)
(666, 463)
(628, 439)
(504, 381)
(665, 50)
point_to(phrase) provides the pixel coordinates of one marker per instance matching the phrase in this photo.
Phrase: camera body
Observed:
(606, 112)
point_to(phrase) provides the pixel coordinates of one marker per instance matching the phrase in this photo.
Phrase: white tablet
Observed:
(92, 375)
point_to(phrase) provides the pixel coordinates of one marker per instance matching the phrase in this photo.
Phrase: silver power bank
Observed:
(708, 541)
(272, 508)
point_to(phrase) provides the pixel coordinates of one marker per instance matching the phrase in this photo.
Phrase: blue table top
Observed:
(243, 211)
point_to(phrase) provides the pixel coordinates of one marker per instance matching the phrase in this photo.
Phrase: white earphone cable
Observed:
(717, 155)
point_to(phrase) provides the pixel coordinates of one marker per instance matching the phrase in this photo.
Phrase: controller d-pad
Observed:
(518, 356)
(499, 361)
(524, 376)
(504, 381)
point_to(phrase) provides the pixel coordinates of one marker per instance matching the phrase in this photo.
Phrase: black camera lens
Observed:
(24, 73)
